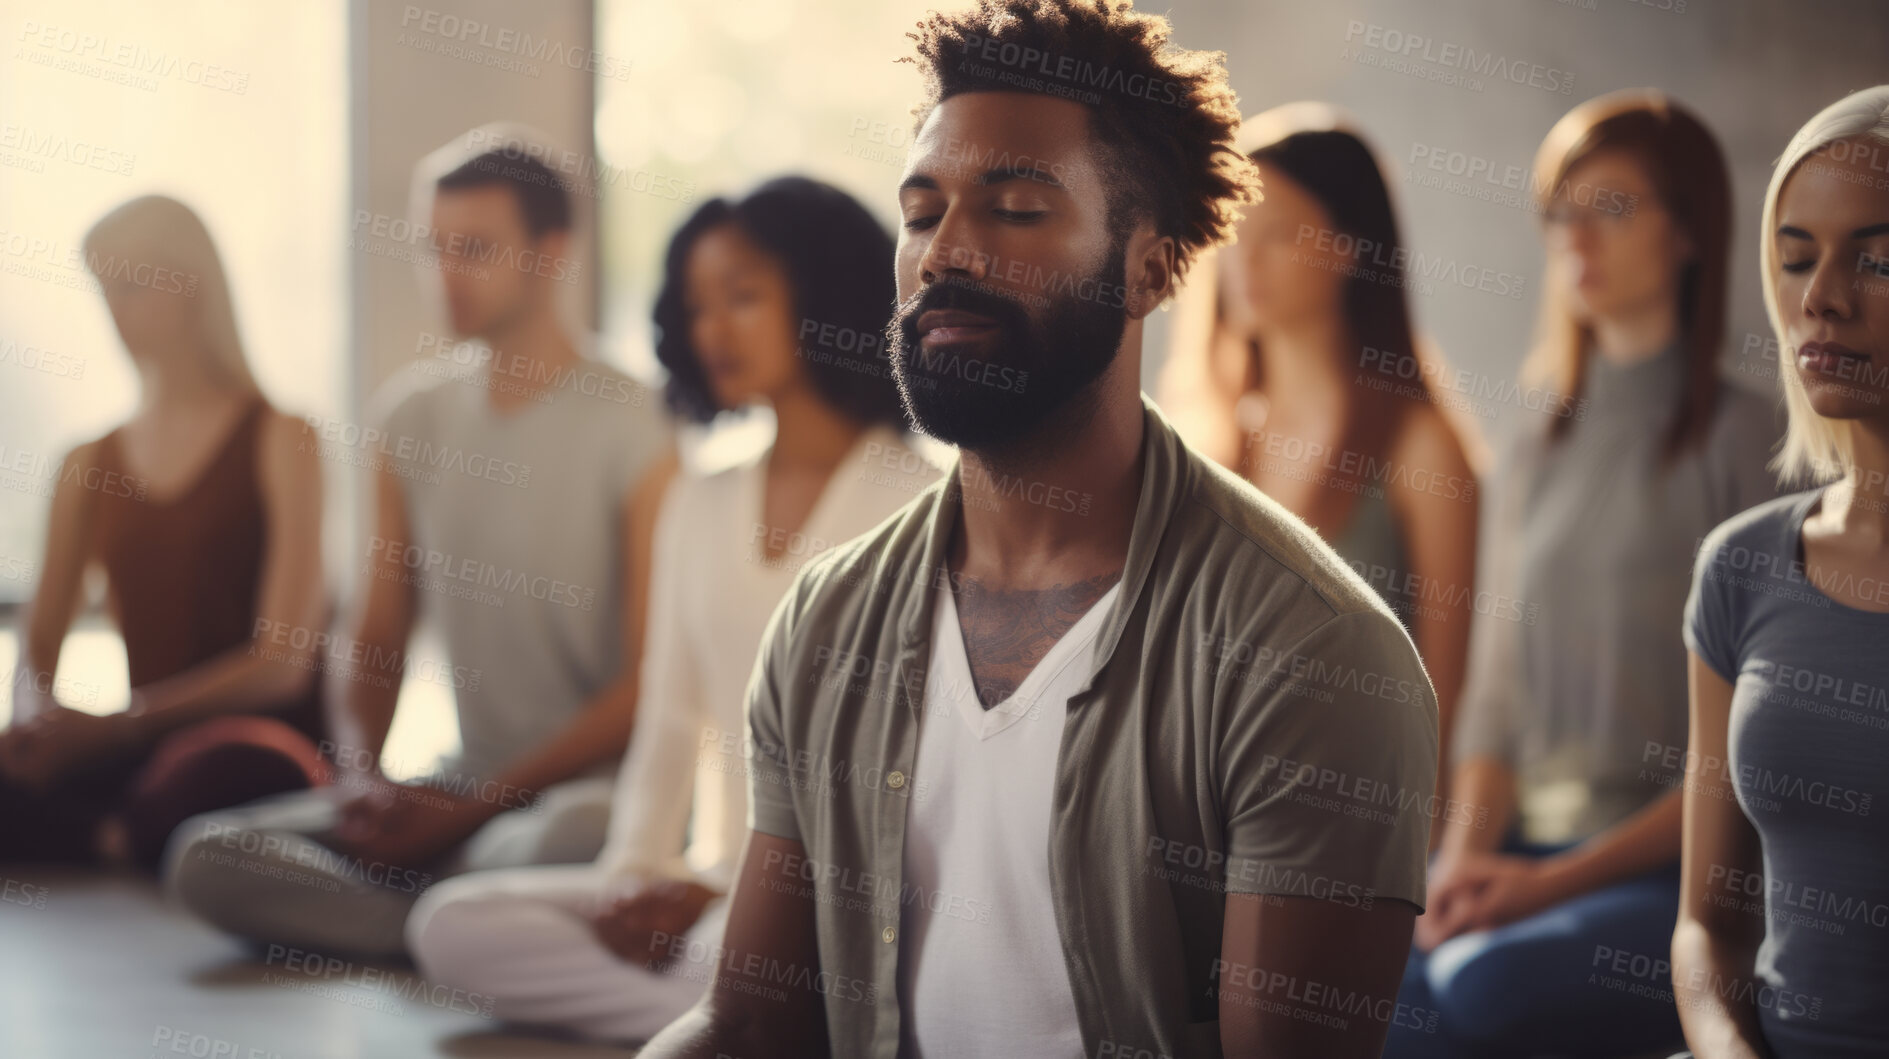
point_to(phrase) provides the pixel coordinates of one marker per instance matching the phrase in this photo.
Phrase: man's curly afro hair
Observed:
(1166, 116)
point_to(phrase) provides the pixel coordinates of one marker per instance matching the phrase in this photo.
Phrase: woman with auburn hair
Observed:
(1782, 947)
(1294, 364)
(1564, 879)
(204, 512)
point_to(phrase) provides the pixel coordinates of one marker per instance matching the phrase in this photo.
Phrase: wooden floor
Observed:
(95, 966)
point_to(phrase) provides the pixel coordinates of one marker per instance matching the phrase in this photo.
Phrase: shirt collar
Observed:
(1166, 476)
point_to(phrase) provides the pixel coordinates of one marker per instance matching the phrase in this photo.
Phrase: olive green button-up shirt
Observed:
(1256, 721)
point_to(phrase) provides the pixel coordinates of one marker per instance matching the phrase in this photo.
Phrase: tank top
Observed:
(184, 573)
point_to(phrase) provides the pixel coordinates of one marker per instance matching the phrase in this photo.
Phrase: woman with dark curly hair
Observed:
(780, 298)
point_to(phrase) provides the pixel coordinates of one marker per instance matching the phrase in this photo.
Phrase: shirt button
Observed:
(889, 935)
(894, 780)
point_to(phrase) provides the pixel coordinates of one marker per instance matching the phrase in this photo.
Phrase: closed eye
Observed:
(919, 224)
(1799, 266)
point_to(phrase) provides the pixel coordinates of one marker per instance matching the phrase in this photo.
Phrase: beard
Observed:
(1037, 370)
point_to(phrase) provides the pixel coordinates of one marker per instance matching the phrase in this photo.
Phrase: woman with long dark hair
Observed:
(1550, 902)
(1295, 364)
(779, 299)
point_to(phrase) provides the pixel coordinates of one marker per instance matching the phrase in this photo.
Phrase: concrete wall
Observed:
(423, 73)
(1754, 70)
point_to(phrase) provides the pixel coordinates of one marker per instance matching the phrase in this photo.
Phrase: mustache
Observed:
(965, 295)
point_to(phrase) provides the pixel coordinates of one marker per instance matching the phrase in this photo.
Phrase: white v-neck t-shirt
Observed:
(981, 969)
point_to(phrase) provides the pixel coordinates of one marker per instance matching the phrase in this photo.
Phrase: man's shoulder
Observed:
(1244, 552)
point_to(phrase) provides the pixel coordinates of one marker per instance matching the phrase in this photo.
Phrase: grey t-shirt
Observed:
(517, 549)
(1808, 750)
(1575, 658)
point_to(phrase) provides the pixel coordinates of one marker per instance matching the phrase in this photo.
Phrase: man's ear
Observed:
(1150, 275)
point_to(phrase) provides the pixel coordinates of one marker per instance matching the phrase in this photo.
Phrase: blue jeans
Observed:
(1588, 977)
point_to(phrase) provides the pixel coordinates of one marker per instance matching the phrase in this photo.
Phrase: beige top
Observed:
(711, 592)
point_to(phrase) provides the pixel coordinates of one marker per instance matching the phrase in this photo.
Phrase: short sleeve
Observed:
(1710, 620)
(402, 410)
(770, 780)
(1328, 769)
(643, 428)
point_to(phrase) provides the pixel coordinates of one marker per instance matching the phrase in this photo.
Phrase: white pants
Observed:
(522, 940)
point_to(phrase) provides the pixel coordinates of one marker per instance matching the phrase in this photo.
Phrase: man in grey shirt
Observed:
(509, 495)
(1092, 749)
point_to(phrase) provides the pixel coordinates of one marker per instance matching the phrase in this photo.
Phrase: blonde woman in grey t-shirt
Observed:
(1782, 947)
